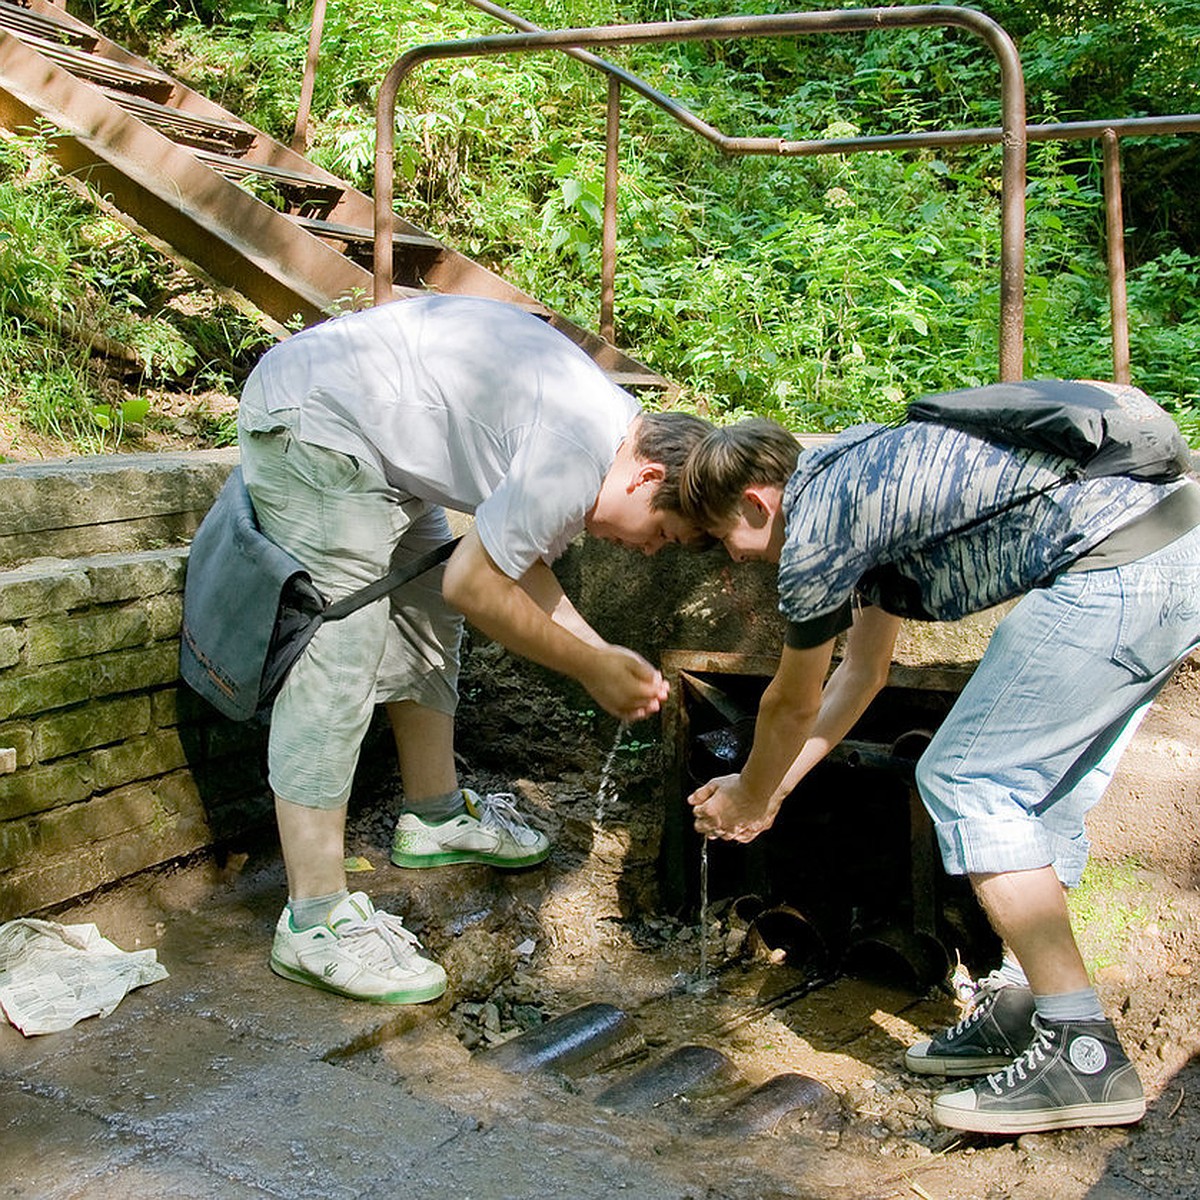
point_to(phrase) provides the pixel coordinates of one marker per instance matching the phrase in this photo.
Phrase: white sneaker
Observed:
(358, 952)
(491, 831)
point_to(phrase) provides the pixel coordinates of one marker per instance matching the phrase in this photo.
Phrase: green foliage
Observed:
(1107, 908)
(821, 290)
(88, 313)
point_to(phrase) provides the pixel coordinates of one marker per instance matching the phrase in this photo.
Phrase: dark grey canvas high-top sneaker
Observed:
(996, 1029)
(1074, 1073)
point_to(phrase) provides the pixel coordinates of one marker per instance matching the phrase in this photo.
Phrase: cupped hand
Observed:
(626, 685)
(722, 808)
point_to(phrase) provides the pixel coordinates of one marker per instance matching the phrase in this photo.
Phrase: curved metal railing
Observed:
(1012, 103)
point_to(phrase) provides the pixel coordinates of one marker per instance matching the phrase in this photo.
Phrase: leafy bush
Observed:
(822, 290)
(89, 315)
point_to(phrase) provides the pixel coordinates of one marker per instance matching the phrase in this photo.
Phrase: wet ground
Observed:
(225, 1081)
(870, 1133)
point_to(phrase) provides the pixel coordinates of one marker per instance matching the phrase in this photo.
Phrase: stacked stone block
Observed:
(112, 764)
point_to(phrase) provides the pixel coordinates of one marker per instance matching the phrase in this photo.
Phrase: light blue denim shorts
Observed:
(1034, 738)
(341, 518)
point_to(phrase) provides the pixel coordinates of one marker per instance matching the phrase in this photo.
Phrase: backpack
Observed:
(1103, 429)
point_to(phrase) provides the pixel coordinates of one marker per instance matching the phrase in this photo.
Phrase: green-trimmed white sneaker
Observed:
(359, 952)
(491, 831)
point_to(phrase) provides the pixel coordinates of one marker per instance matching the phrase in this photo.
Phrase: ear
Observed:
(646, 472)
(758, 507)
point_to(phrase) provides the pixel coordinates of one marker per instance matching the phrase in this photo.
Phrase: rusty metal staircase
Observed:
(171, 163)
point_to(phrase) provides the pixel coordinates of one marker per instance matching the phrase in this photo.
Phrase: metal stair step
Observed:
(199, 131)
(355, 233)
(240, 168)
(635, 379)
(105, 71)
(18, 19)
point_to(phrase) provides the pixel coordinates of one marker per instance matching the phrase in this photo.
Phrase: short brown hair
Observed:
(730, 460)
(669, 438)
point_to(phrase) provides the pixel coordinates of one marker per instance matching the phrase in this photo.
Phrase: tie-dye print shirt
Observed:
(890, 513)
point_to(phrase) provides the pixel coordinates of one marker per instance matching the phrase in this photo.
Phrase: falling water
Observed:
(702, 984)
(702, 978)
(603, 791)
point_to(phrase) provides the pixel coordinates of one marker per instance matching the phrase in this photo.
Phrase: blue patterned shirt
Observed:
(908, 518)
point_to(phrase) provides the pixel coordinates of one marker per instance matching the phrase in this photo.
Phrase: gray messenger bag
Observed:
(250, 608)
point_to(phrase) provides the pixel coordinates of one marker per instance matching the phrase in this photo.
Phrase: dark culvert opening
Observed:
(848, 880)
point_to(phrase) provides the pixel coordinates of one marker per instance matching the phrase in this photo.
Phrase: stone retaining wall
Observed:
(111, 766)
(116, 767)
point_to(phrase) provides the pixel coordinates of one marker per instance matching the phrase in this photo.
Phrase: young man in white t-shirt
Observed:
(355, 435)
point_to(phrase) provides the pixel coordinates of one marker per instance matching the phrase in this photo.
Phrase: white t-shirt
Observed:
(468, 403)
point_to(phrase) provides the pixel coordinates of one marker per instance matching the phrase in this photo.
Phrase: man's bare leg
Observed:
(314, 848)
(1029, 911)
(425, 749)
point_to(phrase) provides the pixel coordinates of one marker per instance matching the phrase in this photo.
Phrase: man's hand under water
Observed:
(723, 808)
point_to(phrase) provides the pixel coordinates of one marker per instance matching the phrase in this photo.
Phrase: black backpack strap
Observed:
(390, 582)
(1073, 475)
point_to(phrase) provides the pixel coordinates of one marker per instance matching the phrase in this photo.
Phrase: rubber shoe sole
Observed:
(1122, 1112)
(448, 858)
(414, 995)
(919, 1062)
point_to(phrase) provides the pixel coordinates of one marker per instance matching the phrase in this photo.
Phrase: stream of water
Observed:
(604, 790)
(702, 982)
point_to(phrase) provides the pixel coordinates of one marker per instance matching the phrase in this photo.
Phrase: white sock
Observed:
(1083, 1005)
(313, 910)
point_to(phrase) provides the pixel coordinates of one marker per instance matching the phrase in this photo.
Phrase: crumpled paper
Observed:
(52, 975)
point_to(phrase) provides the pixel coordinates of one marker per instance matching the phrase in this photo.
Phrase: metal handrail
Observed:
(1012, 99)
(1109, 132)
(308, 81)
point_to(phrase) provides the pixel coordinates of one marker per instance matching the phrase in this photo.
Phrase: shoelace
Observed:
(977, 1006)
(498, 810)
(401, 945)
(1027, 1062)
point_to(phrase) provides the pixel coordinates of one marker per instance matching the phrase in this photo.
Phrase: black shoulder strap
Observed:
(390, 582)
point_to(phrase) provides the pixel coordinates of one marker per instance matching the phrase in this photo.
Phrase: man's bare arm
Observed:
(855, 682)
(799, 722)
(622, 682)
(542, 586)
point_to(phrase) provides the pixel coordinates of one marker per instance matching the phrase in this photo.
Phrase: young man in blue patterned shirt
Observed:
(924, 522)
